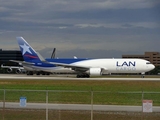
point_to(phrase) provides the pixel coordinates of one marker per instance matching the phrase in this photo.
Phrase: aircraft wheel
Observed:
(83, 76)
(29, 73)
(43, 73)
(47, 73)
(86, 76)
(38, 73)
(78, 76)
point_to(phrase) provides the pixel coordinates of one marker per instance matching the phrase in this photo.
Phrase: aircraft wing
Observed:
(74, 67)
(22, 62)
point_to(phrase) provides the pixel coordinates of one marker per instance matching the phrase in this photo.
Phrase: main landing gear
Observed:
(83, 76)
(30, 73)
(37, 73)
(142, 74)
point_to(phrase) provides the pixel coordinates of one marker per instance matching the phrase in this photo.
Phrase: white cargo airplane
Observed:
(82, 67)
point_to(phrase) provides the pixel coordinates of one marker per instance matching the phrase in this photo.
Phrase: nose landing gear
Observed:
(142, 74)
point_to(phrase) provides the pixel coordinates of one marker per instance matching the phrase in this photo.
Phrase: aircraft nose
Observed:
(152, 66)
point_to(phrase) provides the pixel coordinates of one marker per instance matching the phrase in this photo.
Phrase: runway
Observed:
(119, 108)
(60, 77)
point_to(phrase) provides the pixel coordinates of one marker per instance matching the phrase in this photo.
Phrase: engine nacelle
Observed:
(95, 71)
(9, 70)
(18, 71)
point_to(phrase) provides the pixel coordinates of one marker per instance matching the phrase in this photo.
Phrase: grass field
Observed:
(65, 91)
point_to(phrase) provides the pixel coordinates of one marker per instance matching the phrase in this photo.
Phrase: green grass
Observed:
(65, 91)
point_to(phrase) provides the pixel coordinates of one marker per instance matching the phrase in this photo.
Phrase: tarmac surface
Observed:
(71, 77)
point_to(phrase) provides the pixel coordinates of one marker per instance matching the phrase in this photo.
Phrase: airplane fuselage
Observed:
(107, 65)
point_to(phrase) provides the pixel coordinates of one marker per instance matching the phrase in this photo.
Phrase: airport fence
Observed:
(76, 105)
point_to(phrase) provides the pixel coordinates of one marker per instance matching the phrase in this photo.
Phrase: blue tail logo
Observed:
(28, 52)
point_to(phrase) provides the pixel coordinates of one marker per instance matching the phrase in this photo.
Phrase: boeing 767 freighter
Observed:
(33, 61)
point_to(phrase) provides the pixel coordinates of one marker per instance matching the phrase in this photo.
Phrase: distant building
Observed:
(153, 57)
(6, 55)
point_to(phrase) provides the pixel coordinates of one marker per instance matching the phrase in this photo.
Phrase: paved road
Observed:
(77, 107)
(3, 76)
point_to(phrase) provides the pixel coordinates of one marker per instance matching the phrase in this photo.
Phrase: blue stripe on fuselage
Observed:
(66, 60)
(41, 64)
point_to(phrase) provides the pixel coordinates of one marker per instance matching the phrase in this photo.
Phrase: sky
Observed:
(82, 28)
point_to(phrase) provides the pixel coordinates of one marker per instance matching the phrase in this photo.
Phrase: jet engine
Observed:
(18, 71)
(95, 71)
(9, 70)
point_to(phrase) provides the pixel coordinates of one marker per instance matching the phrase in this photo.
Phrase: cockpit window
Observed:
(148, 63)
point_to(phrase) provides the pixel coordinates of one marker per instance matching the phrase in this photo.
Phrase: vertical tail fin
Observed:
(53, 53)
(27, 51)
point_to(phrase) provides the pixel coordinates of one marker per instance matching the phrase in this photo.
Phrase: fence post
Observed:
(4, 95)
(142, 105)
(91, 104)
(142, 99)
(46, 104)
